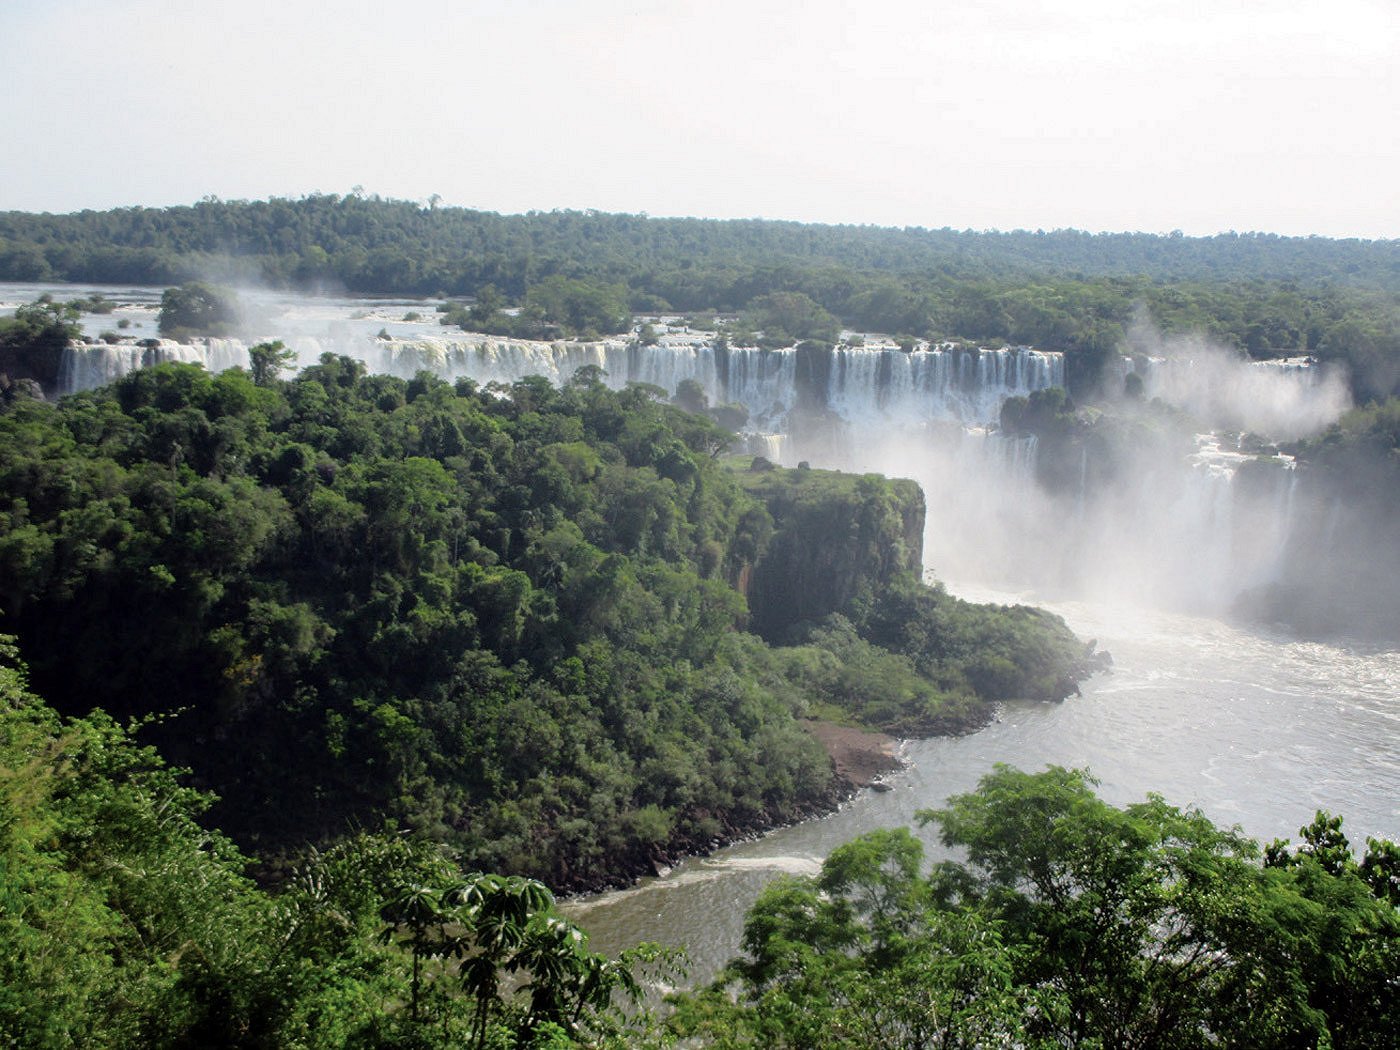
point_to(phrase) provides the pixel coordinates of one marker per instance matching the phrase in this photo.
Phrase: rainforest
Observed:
(330, 659)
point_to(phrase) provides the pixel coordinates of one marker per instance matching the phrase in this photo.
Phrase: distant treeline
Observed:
(1062, 290)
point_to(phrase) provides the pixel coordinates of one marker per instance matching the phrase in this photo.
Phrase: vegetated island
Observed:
(556, 628)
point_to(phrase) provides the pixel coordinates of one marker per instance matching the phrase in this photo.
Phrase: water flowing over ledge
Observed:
(1194, 526)
(856, 384)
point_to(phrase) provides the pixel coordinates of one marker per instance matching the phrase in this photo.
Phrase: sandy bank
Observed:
(860, 756)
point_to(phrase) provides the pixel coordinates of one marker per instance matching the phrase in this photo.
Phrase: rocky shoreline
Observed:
(860, 759)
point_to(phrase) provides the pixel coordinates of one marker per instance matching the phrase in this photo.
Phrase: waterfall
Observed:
(84, 367)
(857, 386)
(1188, 527)
(936, 383)
(1285, 398)
(1179, 532)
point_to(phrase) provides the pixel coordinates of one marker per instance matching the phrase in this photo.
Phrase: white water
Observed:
(930, 383)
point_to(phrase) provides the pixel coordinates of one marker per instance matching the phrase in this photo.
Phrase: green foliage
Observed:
(32, 341)
(999, 652)
(690, 395)
(524, 973)
(96, 303)
(838, 539)
(267, 360)
(785, 318)
(914, 661)
(575, 272)
(552, 307)
(42, 324)
(861, 956)
(196, 308)
(1344, 549)
(125, 923)
(580, 306)
(1153, 924)
(513, 619)
(1069, 923)
(1043, 413)
(1360, 453)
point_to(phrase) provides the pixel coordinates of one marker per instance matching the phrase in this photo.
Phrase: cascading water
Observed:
(938, 383)
(1180, 532)
(85, 367)
(863, 386)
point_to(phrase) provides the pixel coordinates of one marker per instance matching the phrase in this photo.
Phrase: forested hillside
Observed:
(127, 923)
(509, 618)
(1062, 290)
(404, 631)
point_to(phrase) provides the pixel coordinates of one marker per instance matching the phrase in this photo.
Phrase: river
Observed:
(1255, 729)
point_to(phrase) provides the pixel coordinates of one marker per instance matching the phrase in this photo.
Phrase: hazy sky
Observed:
(1200, 115)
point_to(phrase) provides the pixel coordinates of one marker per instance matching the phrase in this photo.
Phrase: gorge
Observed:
(1146, 551)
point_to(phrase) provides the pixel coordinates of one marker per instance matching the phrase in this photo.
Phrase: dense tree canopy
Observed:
(579, 272)
(33, 340)
(1069, 923)
(554, 629)
(126, 923)
(196, 308)
(513, 618)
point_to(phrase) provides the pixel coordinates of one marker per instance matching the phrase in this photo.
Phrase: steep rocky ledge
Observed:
(836, 537)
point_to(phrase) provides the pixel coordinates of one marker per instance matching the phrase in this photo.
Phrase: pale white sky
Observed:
(1202, 115)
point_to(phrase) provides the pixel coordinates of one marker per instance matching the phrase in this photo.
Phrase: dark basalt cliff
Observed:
(837, 538)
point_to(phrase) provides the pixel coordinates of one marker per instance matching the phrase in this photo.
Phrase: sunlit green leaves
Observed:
(1070, 922)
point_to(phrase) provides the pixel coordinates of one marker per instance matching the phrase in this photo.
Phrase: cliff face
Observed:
(837, 538)
(1336, 578)
(39, 363)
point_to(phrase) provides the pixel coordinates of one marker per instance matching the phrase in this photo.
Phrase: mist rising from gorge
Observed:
(1160, 501)
(1280, 400)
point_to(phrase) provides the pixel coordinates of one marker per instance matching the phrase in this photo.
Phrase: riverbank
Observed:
(860, 760)
(860, 757)
(1253, 727)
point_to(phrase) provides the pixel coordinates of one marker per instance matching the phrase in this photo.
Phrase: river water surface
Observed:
(1255, 729)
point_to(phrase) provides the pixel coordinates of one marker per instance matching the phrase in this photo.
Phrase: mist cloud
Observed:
(1281, 400)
